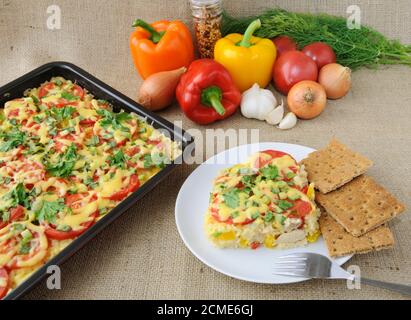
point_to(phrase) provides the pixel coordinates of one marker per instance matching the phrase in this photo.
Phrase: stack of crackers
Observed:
(355, 209)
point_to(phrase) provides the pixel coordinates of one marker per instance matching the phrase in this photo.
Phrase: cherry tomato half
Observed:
(291, 68)
(321, 53)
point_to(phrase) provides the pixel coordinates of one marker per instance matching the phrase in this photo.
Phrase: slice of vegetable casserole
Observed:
(264, 201)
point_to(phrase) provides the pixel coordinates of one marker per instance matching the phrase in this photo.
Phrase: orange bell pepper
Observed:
(161, 46)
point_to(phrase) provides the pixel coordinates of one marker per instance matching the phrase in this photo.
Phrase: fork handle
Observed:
(401, 288)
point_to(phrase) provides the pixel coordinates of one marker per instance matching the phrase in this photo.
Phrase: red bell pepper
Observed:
(206, 92)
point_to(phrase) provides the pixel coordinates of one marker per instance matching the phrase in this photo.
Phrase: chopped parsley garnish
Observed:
(49, 210)
(268, 216)
(290, 175)
(19, 196)
(231, 198)
(255, 215)
(284, 204)
(63, 113)
(270, 172)
(118, 159)
(35, 100)
(12, 140)
(94, 140)
(113, 119)
(248, 181)
(65, 165)
(68, 96)
(25, 246)
(148, 161)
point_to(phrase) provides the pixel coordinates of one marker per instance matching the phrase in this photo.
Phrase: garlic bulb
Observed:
(257, 103)
(275, 116)
(289, 121)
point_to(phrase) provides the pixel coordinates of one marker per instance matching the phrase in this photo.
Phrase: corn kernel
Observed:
(226, 236)
(313, 237)
(269, 241)
(311, 192)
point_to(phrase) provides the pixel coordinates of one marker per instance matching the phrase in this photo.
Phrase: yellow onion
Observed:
(158, 90)
(336, 80)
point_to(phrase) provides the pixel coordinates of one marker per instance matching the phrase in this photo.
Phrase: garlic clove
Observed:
(275, 116)
(289, 121)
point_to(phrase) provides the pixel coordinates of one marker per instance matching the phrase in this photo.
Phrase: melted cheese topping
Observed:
(269, 193)
(68, 159)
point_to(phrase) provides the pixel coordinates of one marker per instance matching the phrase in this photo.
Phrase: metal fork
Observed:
(312, 265)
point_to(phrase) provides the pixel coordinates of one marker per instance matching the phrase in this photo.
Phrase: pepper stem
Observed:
(155, 36)
(211, 97)
(245, 42)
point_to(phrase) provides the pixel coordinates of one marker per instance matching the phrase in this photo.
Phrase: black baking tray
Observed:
(100, 90)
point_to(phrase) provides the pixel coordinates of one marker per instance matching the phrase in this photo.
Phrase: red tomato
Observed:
(291, 68)
(4, 283)
(254, 245)
(87, 122)
(302, 207)
(14, 113)
(284, 44)
(321, 53)
(273, 153)
(134, 184)
(132, 151)
(44, 90)
(15, 214)
(52, 233)
(78, 91)
(37, 249)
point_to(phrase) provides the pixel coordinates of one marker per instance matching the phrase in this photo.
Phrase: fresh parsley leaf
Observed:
(231, 198)
(268, 216)
(24, 247)
(63, 227)
(25, 242)
(49, 210)
(283, 204)
(94, 140)
(58, 82)
(63, 113)
(65, 165)
(148, 161)
(5, 216)
(255, 215)
(290, 175)
(118, 159)
(113, 119)
(12, 140)
(68, 96)
(19, 196)
(248, 181)
(90, 182)
(270, 172)
(35, 100)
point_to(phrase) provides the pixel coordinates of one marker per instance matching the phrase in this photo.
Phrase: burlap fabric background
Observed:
(141, 255)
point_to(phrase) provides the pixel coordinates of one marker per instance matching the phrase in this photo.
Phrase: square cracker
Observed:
(341, 243)
(334, 166)
(361, 205)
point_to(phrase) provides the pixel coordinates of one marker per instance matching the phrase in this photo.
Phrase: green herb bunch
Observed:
(354, 48)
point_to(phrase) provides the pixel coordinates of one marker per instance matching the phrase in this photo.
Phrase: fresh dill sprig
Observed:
(354, 48)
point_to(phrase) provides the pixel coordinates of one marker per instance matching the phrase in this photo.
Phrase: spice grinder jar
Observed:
(207, 16)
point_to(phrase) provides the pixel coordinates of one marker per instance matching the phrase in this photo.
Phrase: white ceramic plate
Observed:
(191, 205)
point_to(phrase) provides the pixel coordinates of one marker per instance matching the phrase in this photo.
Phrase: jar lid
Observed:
(204, 2)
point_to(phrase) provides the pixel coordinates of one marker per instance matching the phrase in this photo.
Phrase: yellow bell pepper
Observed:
(248, 59)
